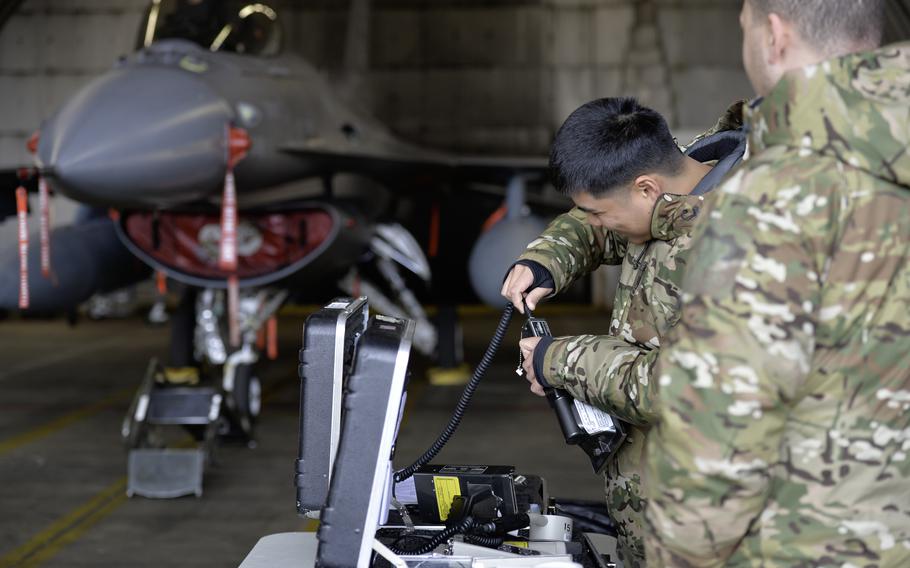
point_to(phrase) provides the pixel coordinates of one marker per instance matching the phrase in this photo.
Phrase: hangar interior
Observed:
(472, 77)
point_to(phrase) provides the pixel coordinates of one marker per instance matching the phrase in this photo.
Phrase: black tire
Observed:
(248, 392)
(247, 403)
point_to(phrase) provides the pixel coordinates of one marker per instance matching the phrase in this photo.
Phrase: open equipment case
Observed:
(354, 374)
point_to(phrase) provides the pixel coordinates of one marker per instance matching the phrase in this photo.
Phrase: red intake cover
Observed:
(266, 242)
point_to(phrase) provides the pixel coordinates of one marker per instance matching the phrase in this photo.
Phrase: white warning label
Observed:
(593, 419)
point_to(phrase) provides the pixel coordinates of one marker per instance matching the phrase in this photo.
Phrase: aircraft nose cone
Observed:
(146, 136)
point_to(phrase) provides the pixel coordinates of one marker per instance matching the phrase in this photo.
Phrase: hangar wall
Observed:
(501, 75)
(48, 50)
(467, 75)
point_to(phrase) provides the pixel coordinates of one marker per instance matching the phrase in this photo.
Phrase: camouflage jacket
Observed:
(783, 436)
(612, 371)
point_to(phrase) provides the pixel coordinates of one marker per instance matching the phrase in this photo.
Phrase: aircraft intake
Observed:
(272, 245)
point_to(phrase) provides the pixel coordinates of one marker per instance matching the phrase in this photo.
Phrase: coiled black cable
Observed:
(465, 399)
(487, 528)
(484, 540)
(464, 526)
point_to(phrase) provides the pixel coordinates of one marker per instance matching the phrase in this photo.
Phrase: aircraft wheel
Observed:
(247, 396)
(248, 392)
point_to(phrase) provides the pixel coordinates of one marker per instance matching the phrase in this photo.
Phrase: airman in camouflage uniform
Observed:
(783, 434)
(613, 371)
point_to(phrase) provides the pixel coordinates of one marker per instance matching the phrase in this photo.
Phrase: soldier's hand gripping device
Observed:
(593, 430)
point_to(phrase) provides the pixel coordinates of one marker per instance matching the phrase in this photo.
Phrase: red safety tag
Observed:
(22, 214)
(161, 282)
(233, 293)
(44, 208)
(237, 144)
(271, 330)
(227, 259)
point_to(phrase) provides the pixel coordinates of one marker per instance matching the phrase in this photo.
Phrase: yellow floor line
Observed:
(66, 529)
(69, 528)
(88, 411)
(65, 421)
(77, 531)
(72, 526)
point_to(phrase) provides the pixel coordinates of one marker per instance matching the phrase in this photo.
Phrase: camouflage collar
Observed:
(852, 108)
(674, 215)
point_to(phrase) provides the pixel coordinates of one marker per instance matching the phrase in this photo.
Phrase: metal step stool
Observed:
(155, 470)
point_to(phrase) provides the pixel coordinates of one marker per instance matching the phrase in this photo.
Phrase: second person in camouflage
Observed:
(783, 436)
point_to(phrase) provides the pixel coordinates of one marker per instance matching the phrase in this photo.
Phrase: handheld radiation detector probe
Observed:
(598, 434)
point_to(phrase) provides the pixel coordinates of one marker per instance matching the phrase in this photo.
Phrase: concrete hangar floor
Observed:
(64, 392)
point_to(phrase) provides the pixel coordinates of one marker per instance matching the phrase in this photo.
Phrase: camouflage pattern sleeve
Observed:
(606, 371)
(571, 247)
(740, 352)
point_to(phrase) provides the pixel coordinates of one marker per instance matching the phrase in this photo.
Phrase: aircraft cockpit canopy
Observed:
(217, 25)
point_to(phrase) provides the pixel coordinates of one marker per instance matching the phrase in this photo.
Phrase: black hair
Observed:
(830, 26)
(607, 143)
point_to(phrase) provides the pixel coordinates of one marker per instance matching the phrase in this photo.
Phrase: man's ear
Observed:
(647, 186)
(780, 39)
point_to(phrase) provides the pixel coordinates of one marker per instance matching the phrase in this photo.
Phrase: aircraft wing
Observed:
(396, 161)
(500, 169)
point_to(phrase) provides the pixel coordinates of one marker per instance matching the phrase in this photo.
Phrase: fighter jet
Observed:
(240, 171)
